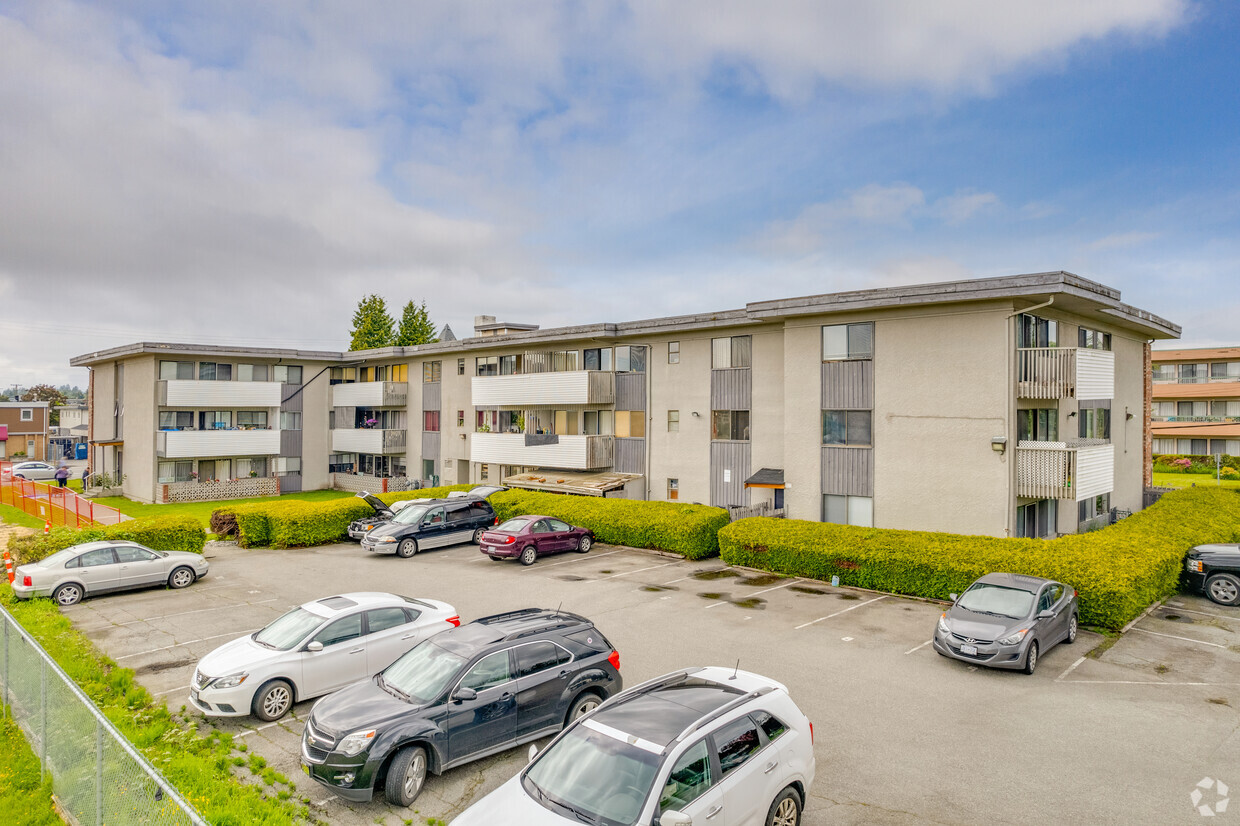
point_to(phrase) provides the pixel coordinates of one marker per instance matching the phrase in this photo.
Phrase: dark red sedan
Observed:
(529, 537)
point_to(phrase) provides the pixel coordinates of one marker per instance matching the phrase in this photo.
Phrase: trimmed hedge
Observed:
(1118, 570)
(295, 523)
(689, 530)
(163, 533)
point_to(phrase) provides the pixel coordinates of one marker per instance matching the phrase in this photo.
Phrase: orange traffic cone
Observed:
(47, 528)
(8, 567)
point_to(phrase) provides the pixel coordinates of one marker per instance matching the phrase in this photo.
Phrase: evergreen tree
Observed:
(372, 326)
(415, 326)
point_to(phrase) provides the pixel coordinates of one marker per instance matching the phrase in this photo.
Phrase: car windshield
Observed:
(514, 525)
(410, 515)
(593, 777)
(424, 671)
(289, 629)
(996, 599)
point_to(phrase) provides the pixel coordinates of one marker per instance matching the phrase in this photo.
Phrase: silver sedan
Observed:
(101, 567)
(34, 470)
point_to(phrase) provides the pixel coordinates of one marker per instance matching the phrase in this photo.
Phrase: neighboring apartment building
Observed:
(1000, 406)
(1196, 401)
(23, 430)
(71, 414)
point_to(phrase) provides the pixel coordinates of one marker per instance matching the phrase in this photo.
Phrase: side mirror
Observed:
(675, 819)
(464, 694)
(315, 646)
(533, 751)
(1047, 614)
(952, 597)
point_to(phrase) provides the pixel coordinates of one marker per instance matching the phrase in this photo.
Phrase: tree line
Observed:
(374, 327)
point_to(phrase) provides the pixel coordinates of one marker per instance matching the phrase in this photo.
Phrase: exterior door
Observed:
(342, 660)
(138, 567)
(541, 680)
(490, 719)
(390, 633)
(692, 786)
(564, 539)
(544, 539)
(98, 570)
(1052, 598)
(432, 531)
(742, 762)
(460, 526)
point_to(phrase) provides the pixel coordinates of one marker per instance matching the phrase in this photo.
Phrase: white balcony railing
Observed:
(566, 453)
(218, 394)
(363, 440)
(1056, 470)
(371, 394)
(1064, 372)
(573, 387)
(207, 444)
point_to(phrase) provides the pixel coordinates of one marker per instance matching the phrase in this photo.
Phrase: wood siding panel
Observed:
(630, 456)
(219, 394)
(731, 389)
(566, 389)
(191, 444)
(1095, 471)
(729, 468)
(569, 453)
(1095, 374)
(293, 398)
(848, 471)
(430, 445)
(630, 391)
(290, 443)
(432, 396)
(848, 385)
(290, 483)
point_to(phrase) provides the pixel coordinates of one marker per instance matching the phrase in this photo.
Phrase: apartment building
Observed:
(23, 430)
(1007, 406)
(1196, 401)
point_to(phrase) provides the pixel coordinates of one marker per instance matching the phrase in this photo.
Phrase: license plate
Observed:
(968, 649)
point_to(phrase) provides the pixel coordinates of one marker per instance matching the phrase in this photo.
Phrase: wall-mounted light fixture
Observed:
(697, 414)
(998, 444)
(1073, 413)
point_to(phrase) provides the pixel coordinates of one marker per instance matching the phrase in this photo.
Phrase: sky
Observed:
(244, 173)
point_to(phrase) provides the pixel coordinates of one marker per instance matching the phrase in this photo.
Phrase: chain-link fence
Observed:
(98, 777)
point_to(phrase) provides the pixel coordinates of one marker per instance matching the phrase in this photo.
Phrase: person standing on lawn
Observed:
(62, 475)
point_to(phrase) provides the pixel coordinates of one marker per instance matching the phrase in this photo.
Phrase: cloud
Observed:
(958, 208)
(1122, 240)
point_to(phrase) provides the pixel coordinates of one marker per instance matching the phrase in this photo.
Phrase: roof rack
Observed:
(724, 709)
(521, 612)
(674, 678)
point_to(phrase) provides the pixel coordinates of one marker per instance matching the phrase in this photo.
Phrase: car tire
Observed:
(785, 809)
(1072, 624)
(583, 705)
(406, 776)
(68, 594)
(1031, 658)
(1224, 589)
(272, 701)
(529, 555)
(407, 548)
(583, 545)
(478, 535)
(181, 577)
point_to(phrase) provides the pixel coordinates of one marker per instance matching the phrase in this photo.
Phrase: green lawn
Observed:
(12, 516)
(1184, 480)
(23, 799)
(202, 510)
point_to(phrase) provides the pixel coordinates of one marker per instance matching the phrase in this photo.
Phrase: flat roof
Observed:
(24, 404)
(1202, 390)
(1196, 354)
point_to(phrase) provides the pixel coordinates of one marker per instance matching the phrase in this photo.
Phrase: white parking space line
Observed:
(1179, 610)
(581, 558)
(171, 691)
(918, 648)
(252, 730)
(187, 642)
(755, 593)
(837, 613)
(1069, 670)
(1185, 639)
(198, 611)
(1140, 682)
(638, 571)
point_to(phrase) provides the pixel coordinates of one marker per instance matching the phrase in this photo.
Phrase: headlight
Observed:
(944, 629)
(356, 743)
(1194, 565)
(367, 527)
(1015, 637)
(388, 539)
(231, 681)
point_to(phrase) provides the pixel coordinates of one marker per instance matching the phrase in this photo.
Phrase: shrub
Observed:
(1118, 571)
(295, 523)
(689, 530)
(163, 533)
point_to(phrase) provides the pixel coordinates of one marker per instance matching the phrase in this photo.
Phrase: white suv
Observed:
(712, 746)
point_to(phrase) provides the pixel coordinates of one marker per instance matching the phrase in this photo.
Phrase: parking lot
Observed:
(901, 734)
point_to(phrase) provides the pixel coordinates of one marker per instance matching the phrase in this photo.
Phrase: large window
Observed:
(598, 422)
(598, 358)
(1033, 331)
(1164, 372)
(1194, 373)
(431, 371)
(848, 341)
(214, 420)
(1093, 339)
(732, 351)
(631, 423)
(1037, 520)
(1093, 507)
(251, 372)
(1037, 425)
(563, 360)
(170, 472)
(252, 419)
(430, 421)
(1095, 423)
(290, 373)
(729, 425)
(1188, 410)
(290, 421)
(848, 510)
(1225, 370)
(630, 359)
(1225, 408)
(214, 371)
(673, 352)
(343, 375)
(509, 365)
(486, 366)
(176, 420)
(176, 370)
(847, 427)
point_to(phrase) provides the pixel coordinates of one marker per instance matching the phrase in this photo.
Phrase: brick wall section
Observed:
(1147, 432)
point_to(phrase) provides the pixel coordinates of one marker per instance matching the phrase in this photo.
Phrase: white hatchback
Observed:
(712, 746)
(312, 650)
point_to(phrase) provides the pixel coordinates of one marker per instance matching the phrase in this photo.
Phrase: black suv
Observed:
(461, 695)
(1215, 571)
(433, 523)
(383, 513)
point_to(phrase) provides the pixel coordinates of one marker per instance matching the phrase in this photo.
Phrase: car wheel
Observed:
(406, 776)
(478, 535)
(529, 555)
(273, 700)
(18, 476)
(785, 810)
(68, 594)
(1031, 659)
(582, 706)
(583, 545)
(181, 577)
(1224, 589)
(1071, 630)
(406, 548)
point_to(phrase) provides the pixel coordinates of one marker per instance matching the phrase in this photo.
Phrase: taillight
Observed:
(614, 659)
(508, 540)
(455, 622)
(27, 582)
(496, 521)
(811, 734)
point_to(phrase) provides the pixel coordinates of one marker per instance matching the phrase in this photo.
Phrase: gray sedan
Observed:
(34, 470)
(102, 567)
(1008, 621)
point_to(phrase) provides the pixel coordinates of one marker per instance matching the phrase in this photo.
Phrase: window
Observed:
(460, 367)
(342, 630)
(729, 425)
(539, 656)
(431, 371)
(1093, 507)
(490, 671)
(176, 370)
(434, 517)
(93, 559)
(558, 526)
(212, 371)
(1095, 422)
(509, 365)
(1223, 408)
(1225, 370)
(1164, 372)
(846, 427)
(733, 351)
(460, 418)
(598, 422)
(291, 373)
(251, 372)
(630, 359)
(381, 619)
(486, 366)
(483, 472)
(1188, 410)
(673, 489)
(771, 726)
(27, 414)
(563, 361)
(214, 420)
(1038, 520)
(430, 421)
(176, 420)
(673, 421)
(597, 359)
(290, 421)
(688, 780)
(1032, 331)
(630, 423)
(343, 375)
(1037, 425)
(848, 341)
(170, 472)
(736, 743)
(252, 418)
(1193, 373)
(673, 352)
(848, 510)
(1191, 447)
(1093, 339)
(128, 553)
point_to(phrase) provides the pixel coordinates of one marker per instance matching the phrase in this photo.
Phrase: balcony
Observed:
(371, 394)
(1064, 373)
(207, 444)
(566, 452)
(573, 387)
(363, 440)
(1060, 470)
(217, 394)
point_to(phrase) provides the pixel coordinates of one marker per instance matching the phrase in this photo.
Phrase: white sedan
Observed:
(101, 567)
(34, 470)
(312, 650)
